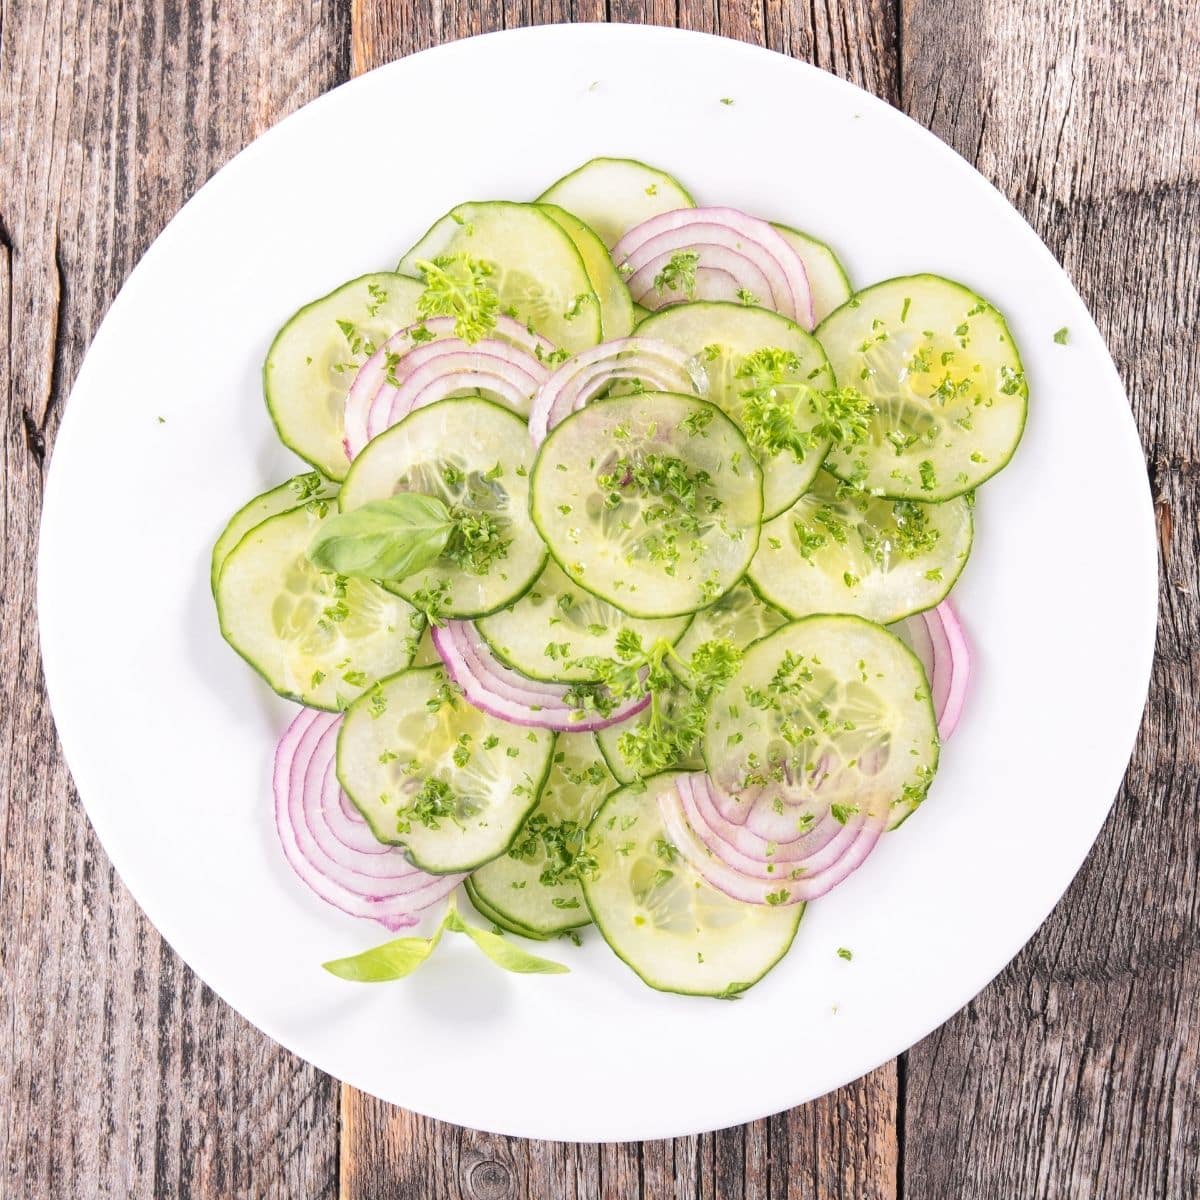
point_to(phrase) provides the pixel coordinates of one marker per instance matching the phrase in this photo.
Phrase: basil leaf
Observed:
(502, 952)
(392, 960)
(385, 539)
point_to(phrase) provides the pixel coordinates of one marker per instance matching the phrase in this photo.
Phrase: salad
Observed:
(617, 590)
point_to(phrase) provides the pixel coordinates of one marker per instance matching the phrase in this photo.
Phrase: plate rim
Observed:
(107, 833)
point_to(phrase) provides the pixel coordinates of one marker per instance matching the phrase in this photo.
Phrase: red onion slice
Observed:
(719, 866)
(780, 277)
(372, 375)
(714, 255)
(329, 845)
(511, 341)
(510, 696)
(800, 840)
(760, 858)
(659, 365)
(736, 267)
(712, 284)
(937, 638)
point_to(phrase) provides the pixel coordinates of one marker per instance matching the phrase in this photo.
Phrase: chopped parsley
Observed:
(561, 845)
(676, 500)
(783, 413)
(679, 699)
(679, 275)
(434, 801)
(477, 541)
(456, 285)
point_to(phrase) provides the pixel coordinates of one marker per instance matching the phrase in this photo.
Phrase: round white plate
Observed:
(170, 736)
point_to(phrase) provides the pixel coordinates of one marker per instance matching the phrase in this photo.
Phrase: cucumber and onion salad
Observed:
(617, 588)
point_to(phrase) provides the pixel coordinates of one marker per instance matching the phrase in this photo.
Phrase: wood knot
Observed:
(489, 1179)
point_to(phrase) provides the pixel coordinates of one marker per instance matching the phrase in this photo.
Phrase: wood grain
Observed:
(1076, 1073)
(120, 1074)
(842, 1146)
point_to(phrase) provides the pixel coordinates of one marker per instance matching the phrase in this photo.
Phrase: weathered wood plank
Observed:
(842, 1146)
(120, 1074)
(1076, 1074)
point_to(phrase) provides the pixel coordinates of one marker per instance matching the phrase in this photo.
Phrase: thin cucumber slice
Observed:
(741, 616)
(315, 356)
(426, 655)
(616, 305)
(946, 378)
(556, 623)
(651, 502)
(612, 195)
(315, 637)
(498, 919)
(536, 269)
(841, 550)
(535, 885)
(662, 919)
(722, 336)
(289, 495)
(430, 772)
(829, 710)
(475, 455)
(827, 278)
(609, 741)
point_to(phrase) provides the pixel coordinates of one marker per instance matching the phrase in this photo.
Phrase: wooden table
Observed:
(1074, 1075)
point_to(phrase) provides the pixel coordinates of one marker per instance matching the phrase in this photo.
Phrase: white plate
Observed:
(170, 737)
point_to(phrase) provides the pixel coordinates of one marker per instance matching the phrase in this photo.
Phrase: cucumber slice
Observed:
(536, 269)
(289, 495)
(721, 336)
(520, 886)
(827, 278)
(472, 454)
(616, 305)
(430, 772)
(598, 500)
(831, 699)
(556, 623)
(315, 356)
(486, 911)
(841, 550)
(659, 916)
(944, 373)
(426, 655)
(609, 741)
(315, 637)
(614, 194)
(740, 616)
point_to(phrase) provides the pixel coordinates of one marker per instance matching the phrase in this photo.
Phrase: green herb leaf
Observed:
(457, 286)
(402, 956)
(679, 699)
(679, 275)
(503, 953)
(385, 539)
(380, 964)
(1062, 335)
(782, 412)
